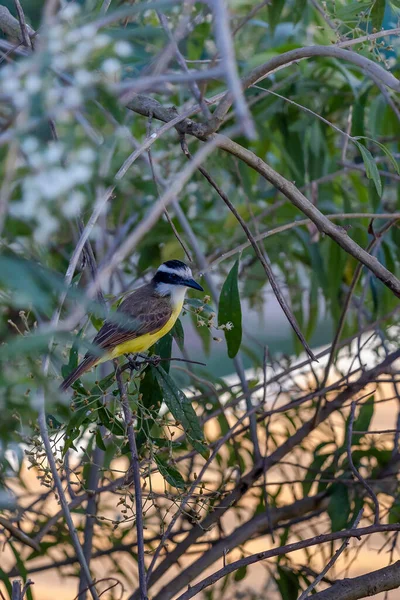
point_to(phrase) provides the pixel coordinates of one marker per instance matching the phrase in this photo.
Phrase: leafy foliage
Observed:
(68, 124)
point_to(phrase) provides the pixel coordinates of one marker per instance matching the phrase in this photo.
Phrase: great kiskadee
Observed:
(151, 310)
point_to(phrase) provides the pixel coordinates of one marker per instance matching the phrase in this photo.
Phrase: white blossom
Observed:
(111, 66)
(70, 11)
(47, 224)
(101, 40)
(60, 62)
(10, 84)
(123, 48)
(86, 154)
(81, 173)
(54, 152)
(73, 204)
(72, 97)
(84, 77)
(33, 83)
(88, 31)
(30, 144)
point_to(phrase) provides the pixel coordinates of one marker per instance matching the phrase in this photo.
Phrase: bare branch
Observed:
(135, 467)
(18, 534)
(288, 58)
(22, 22)
(330, 564)
(227, 54)
(247, 480)
(261, 257)
(338, 234)
(370, 584)
(308, 543)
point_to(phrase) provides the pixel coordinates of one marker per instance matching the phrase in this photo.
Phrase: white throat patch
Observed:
(176, 292)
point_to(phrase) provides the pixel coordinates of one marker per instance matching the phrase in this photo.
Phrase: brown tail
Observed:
(84, 366)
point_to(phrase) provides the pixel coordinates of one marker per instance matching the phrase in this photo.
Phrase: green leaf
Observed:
(99, 441)
(149, 407)
(377, 13)
(231, 311)
(394, 512)
(274, 12)
(240, 573)
(339, 506)
(52, 422)
(110, 421)
(22, 570)
(6, 580)
(73, 428)
(371, 169)
(389, 155)
(170, 474)
(312, 472)
(163, 349)
(73, 357)
(288, 583)
(364, 417)
(181, 409)
(178, 334)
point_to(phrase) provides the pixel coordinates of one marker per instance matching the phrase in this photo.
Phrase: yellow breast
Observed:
(144, 342)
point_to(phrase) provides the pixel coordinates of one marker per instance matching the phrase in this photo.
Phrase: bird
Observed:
(151, 312)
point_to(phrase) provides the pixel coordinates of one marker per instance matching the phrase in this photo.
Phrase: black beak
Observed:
(193, 284)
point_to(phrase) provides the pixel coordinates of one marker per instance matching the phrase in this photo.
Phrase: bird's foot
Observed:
(154, 360)
(134, 364)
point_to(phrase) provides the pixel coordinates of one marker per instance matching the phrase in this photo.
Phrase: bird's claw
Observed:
(133, 363)
(155, 360)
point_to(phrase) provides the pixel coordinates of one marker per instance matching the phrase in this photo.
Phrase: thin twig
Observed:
(355, 471)
(261, 257)
(166, 213)
(22, 22)
(346, 306)
(202, 263)
(339, 235)
(227, 53)
(182, 62)
(61, 495)
(250, 15)
(18, 534)
(135, 466)
(282, 550)
(299, 223)
(332, 561)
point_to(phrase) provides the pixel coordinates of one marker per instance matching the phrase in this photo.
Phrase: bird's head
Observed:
(173, 277)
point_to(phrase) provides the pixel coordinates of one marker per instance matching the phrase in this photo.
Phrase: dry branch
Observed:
(370, 584)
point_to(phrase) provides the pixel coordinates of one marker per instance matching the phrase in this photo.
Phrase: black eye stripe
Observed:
(163, 277)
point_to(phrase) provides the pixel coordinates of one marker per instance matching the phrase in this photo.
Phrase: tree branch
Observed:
(338, 234)
(314, 541)
(288, 58)
(265, 464)
(135, 466)
(370, 584)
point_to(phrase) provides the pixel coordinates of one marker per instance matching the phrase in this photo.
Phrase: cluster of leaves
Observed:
(341, 151)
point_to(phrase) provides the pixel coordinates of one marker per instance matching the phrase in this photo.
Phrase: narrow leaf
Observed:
(170, 474)
(230, 311)
(181, 409)
(377, 13)
(339, 506)
(371, 170)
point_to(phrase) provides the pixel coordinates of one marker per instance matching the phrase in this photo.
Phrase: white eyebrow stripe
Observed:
(182, 272)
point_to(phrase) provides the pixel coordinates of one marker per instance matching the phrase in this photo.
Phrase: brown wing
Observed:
(146, 313)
